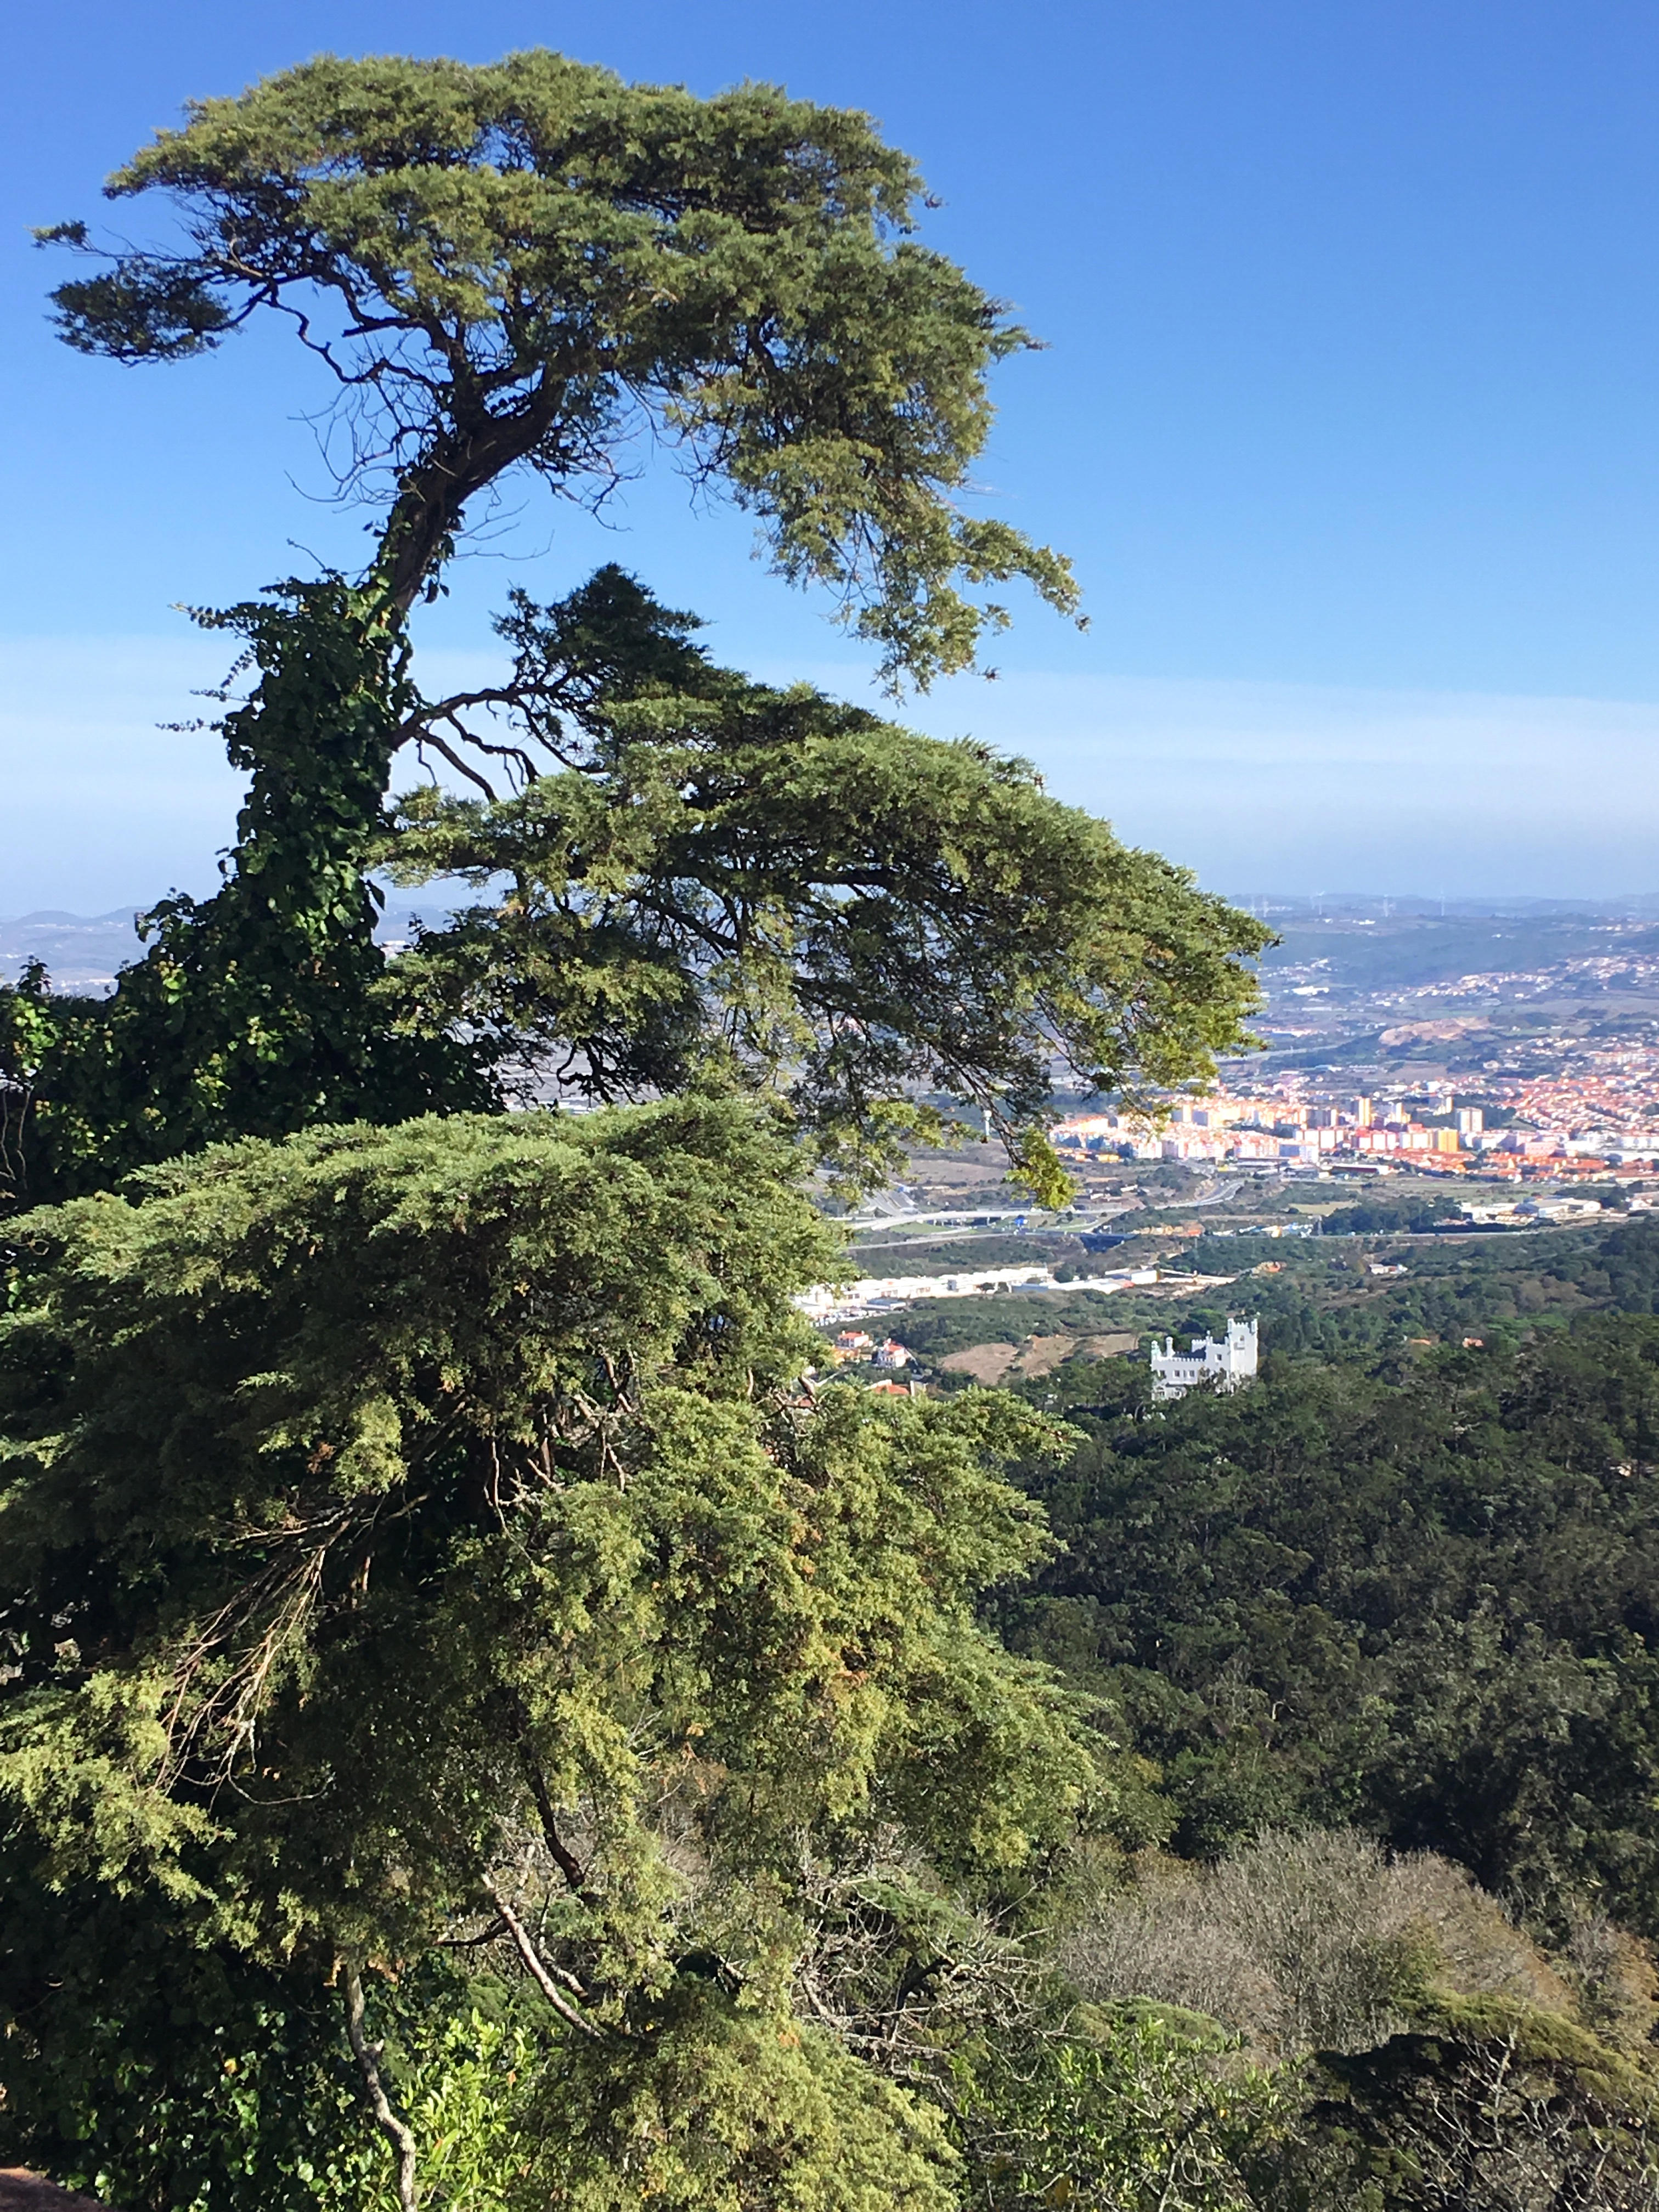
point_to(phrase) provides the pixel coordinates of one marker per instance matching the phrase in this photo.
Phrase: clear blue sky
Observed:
(1348, 419)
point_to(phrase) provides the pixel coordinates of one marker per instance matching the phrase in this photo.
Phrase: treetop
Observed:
(536, 263)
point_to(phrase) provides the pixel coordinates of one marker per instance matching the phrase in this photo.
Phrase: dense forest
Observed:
(1376, 1639)
(1420, 1602)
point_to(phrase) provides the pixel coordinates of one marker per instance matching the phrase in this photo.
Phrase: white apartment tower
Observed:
(1229, 1364)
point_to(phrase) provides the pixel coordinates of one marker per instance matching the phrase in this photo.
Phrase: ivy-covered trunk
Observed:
(256, 1011)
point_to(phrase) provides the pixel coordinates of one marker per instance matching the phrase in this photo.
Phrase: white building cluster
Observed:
(875, 1294)
(1228, 1363)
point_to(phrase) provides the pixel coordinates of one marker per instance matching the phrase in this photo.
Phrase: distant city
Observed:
(1518, 1040)
(1514, 1040)
(1585, 1123)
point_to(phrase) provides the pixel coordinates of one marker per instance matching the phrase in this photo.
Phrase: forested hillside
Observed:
(1423, 1602)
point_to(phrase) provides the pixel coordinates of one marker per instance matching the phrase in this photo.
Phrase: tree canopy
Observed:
(852, 914)
(479, 1730)
(535, 263)
(483, 1724)
(688, 875)
(1422, 1599)
(426, 1586)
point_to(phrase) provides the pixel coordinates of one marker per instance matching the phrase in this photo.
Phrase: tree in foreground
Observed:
(479, 1732)
(454, 1664)
(694, 876)
(525, 267)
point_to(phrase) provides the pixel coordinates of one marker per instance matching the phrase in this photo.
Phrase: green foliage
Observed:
(408, 1529)
(264, 1008)
(519, 263)
(1421, 2053)
(1147, 2113)
(1386, 1217)
(1501, 1288)
(1486, 2107)
(166, 2073)
(853, 912)
(725, 2108)
(469, 1714)
(522, 265)
(817, 903)
(1425, 1603)
(936, 1327)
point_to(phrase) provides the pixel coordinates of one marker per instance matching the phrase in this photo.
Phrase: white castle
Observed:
(1229, 1364)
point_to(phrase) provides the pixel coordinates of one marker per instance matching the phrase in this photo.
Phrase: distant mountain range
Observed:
(1372, 906)
(82, 951)
(1364, 939)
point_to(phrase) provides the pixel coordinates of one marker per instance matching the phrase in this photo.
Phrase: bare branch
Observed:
(368, 2056)
(535, 1966)
(426, 736)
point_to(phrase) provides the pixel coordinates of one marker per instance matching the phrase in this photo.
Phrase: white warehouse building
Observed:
(1228, 1363)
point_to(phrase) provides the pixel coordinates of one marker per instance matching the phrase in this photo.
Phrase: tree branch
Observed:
(459, 462)
(425, 735)
(569, 1866)
(535, 1966)
(367, 2056)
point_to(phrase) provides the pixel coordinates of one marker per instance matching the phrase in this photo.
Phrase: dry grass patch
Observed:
(982, 1362)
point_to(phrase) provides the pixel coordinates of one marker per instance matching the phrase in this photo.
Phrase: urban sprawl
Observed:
(1588, 1123)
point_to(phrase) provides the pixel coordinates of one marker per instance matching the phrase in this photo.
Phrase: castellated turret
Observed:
(1228, 1362)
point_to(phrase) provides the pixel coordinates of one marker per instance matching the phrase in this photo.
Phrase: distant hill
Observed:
(1409, 949)
(1352, 944)
(1370, 906)
(83, 952)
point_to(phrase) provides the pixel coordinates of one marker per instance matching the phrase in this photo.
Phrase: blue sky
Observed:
(1347, 417)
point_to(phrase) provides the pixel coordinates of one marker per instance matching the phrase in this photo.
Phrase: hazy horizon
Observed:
(1297, 789)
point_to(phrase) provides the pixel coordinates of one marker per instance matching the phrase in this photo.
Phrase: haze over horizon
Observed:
(1347, 417)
